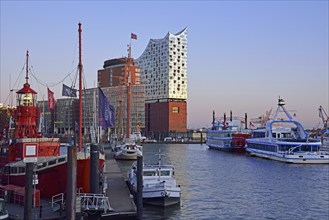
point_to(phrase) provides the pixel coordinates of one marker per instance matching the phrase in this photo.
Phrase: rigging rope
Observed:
(18, 81)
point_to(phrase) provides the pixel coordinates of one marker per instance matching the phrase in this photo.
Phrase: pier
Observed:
(117, 191)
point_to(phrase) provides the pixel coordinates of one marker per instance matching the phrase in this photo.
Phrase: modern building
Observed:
(163, 67)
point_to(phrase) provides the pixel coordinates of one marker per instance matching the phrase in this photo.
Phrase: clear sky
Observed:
(242, 55)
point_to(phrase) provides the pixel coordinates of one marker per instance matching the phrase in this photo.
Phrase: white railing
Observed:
(56, 199)
(95, 202)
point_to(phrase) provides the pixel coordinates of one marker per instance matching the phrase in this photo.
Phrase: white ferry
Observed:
(286, 140)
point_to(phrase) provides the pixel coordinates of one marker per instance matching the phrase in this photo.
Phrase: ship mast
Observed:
(80, 91)
(128, 90)
(27, 67)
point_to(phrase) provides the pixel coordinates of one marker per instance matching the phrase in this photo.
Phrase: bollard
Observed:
(94, 171)
(40, 212)
(139, 187)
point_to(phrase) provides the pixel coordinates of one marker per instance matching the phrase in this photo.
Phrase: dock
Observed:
(117, 190)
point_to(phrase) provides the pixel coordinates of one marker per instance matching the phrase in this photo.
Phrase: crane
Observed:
(325, 119)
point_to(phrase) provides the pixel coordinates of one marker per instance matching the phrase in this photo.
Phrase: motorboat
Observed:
(286, 140)
(159, 185)
(127, 151)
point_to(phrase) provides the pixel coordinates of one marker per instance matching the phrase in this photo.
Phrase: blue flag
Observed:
(105, 111)
(68, 91)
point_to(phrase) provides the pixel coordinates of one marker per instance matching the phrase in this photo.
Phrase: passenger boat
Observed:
(50, 166)
(228, 136)
(286, 140)
(127, 151)
(159, 185)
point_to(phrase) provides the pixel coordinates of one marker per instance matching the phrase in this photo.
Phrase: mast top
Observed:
(27, 67)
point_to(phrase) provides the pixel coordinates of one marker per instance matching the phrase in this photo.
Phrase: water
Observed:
(219, 185)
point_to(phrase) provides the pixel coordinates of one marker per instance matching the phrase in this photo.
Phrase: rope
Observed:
(18, 80)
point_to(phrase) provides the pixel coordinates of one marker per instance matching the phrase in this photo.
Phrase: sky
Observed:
(242, 55)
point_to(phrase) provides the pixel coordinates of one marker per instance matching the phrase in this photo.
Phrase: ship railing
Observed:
(91, 201)
(57, 200)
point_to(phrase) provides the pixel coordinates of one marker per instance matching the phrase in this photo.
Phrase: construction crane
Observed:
(262, 119)
(325, 119)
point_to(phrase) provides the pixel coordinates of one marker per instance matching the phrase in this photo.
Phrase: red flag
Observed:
(251, 124)
(51, 100)
(133, 36)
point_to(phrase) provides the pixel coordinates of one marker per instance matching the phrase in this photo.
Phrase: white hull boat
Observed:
(286, 141)
(159, 186)
(127, 151)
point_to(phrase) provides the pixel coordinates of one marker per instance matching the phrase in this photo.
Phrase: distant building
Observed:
(164, 72)
(60, 120)
(114, 79)
(115, 72)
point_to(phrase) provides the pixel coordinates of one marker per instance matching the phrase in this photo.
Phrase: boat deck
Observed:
(117, 191)
(17, 211)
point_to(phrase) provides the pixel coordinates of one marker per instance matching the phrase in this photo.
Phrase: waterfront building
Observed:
(118, 78)
(60, 119)
(164, 72)
(117, 72)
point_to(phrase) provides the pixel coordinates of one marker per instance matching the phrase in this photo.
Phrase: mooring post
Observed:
(94, 172)
(139, 187)
(28, 192)
(71, 184)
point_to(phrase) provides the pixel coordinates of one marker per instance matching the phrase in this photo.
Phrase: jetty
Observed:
(117, 190)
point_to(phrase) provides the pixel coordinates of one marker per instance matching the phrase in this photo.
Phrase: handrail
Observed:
(57, 198)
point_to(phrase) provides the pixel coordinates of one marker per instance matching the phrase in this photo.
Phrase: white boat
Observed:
(159, 185)
(127, 151)
(227, 135)
(286, 140)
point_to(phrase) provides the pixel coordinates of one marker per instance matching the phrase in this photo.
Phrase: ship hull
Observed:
(52, 180)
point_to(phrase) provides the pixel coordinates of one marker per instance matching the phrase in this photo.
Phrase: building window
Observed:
(175, 109)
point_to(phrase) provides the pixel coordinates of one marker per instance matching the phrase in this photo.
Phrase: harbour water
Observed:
(219, 185)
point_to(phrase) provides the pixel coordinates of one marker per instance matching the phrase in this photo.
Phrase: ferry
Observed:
(285, 140)
(228, 135)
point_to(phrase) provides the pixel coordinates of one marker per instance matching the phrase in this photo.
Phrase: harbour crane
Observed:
(262, 119)
(325, 119)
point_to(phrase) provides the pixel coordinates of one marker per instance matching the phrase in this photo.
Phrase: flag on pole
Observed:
(133, 36)
(51, 99)
(105, 111)
(68, 91)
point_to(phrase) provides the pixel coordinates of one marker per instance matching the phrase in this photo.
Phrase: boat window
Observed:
(13, 170)
(306, 148)
(165, 172)
(61, 160)
(52, 162)
(21, 169)
(148, 173)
